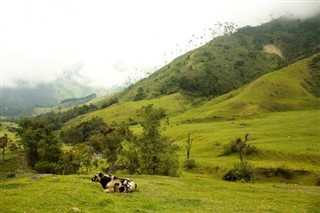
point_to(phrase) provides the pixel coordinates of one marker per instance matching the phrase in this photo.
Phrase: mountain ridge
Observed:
(287, 89)
(230, 61)
(22, 100)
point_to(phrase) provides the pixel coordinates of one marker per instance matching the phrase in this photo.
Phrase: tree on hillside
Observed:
(140, 94)
(109, 142)
(84, 157)
(189, 163)
(158, 154)
(42, 149)
(242, 170)
(188, 145)
(83, 131)
(7, 143)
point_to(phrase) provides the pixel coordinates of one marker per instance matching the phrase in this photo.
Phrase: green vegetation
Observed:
(275, 166)
(231, 61)
(158, 154)
(74, 101)
(74, 193)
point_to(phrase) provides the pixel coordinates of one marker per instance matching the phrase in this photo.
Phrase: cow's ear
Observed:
(100, 174)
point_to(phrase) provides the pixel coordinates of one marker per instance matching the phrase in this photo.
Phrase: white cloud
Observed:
(41, 38)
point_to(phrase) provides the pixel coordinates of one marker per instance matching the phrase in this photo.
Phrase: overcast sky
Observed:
(114, 39)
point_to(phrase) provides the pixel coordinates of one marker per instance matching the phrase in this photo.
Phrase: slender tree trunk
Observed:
(188, 146)
(3, 150)
(240, 154)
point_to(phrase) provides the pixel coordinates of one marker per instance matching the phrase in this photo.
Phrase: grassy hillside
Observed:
(76, 193)
(230, 61)
(126, 111)
(287, 141)
(288, 89)
(200, 189)
(278, 110)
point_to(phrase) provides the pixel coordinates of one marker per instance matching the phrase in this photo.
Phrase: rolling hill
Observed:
(270, 82)
(233, 60)
(289, 89)
(279, 109)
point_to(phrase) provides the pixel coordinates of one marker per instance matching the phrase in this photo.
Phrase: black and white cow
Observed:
(111, 183)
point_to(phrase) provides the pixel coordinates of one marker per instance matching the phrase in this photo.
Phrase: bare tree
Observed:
(188, 145)
(240, 145)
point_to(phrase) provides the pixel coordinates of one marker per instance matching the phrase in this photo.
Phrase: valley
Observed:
(248, 86)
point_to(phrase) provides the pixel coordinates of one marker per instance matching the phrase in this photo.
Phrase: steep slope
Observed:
(289, 89)
(228, 62)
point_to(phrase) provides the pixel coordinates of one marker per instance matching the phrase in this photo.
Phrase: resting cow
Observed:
(111, 183)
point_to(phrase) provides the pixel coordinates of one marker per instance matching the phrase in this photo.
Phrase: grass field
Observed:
(201, 189)
(279, 114)
(189, 193)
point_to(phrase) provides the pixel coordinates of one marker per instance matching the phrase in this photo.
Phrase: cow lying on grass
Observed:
(111, 183)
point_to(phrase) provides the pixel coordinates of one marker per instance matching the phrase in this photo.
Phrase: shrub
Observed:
(189, 164)
(250, 150)
(318, 181)
(46, 167)
(232, 147)
(229, 148)
(286, 173)
(242, 171)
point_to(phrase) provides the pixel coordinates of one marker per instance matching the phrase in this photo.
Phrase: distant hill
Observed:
(78, 100)
(21, 101)
(231, 61)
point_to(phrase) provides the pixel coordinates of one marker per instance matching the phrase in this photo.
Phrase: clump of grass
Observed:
(318, 181)
(232, 147)
(242, 171)
(286, 173)
(189, 164)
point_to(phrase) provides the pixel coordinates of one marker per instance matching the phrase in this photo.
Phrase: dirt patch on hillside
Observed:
(272, 49)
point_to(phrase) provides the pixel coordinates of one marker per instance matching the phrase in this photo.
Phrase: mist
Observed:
(118, 42)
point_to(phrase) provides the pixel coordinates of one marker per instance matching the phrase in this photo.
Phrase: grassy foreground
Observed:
(196, 193)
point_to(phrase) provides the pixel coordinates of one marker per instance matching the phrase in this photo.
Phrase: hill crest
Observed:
(231, 61)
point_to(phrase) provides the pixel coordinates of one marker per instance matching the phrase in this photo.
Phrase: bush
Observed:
(318, 181)
(250, 150)
(286, 173)
(229, 148)
(242, 171)
(189, 164)
(46, 167)
(232, 147)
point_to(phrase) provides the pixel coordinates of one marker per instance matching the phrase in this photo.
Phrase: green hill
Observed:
(289, 89)
(279, 105)
(278, 108)
(231, 61)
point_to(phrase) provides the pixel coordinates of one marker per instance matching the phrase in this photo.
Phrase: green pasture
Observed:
(189, 193)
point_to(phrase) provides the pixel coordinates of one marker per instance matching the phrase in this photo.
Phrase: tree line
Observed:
(148, 153)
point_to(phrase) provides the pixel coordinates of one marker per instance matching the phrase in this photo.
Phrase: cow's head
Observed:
(97, 177)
